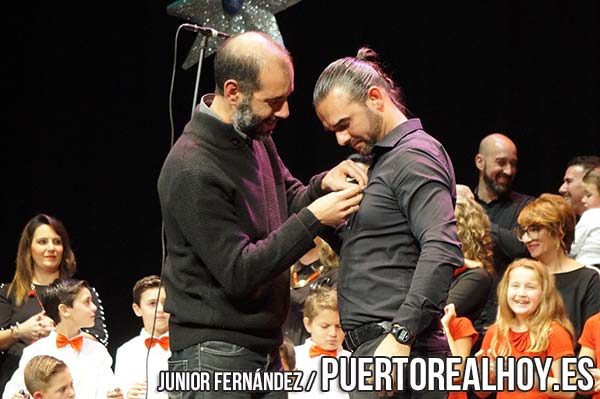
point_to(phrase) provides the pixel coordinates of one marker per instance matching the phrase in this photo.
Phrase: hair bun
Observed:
(367, 54)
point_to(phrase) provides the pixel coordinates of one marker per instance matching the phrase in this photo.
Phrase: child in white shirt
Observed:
(69, 304)
(586, 246)
(48, 378)
(322, 321)
(130, 364)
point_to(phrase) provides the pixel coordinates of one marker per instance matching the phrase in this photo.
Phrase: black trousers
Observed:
(430, 344)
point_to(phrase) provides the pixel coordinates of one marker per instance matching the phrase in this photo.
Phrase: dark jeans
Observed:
(223, 356)
(428, 345)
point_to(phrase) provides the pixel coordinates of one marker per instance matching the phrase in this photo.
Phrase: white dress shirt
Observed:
(586, 246)
(90, 368)
(307, 364)
(130, 364)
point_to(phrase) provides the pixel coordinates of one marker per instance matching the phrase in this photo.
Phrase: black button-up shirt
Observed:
(503, 213)
(401, 247)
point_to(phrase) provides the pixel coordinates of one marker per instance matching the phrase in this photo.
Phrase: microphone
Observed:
(206, 31)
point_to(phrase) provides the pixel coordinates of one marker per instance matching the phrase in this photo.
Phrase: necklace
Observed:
(299, 283)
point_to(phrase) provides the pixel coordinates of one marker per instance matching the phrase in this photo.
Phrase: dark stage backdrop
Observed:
(85, 121)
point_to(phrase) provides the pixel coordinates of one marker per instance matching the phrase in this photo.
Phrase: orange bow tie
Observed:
(76, 343)
(163, 342)
(318, 351)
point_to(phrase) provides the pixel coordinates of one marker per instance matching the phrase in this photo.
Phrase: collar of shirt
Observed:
(396, 135)
(144, 334)
(204, 107)
(502, 197)
(309, 343)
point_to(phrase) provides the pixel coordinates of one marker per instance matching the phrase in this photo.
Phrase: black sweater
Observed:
(580, 290)
(228, 208)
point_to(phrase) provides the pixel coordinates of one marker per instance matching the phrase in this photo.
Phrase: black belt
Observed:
(366, 332)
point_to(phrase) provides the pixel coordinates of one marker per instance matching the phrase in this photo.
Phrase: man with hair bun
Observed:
(401, 247)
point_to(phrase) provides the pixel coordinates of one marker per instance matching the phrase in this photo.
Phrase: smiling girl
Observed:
(531, 322)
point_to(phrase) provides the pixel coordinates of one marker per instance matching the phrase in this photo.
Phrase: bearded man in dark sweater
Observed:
(236, 219)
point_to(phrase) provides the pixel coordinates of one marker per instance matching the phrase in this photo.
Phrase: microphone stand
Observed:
(199, 71)
(206, 32)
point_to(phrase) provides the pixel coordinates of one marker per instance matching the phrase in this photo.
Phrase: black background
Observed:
(86, 125)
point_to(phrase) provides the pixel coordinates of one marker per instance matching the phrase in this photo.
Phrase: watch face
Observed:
(403, 335)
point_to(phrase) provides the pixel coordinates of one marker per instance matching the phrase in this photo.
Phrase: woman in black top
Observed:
(471, 283)
(44, 255)
(547, 227)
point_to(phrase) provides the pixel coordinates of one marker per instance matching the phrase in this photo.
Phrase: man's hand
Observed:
(338, 178)
(389, 347)
(334, 208)
(137, 390)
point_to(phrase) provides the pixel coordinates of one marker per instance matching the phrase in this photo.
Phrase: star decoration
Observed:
(229, 16)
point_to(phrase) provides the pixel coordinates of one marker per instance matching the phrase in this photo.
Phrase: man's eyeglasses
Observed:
(533, 231)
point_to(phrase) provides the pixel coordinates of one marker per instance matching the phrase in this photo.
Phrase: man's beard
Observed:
(247, 122)
(375, 126)
(494, 186)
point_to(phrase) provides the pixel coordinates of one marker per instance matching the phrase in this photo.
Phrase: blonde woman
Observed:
(471, 285)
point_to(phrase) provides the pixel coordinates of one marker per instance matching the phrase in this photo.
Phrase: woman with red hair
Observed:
(547, 228)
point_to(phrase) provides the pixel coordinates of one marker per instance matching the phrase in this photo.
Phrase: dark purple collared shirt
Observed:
(401, 247)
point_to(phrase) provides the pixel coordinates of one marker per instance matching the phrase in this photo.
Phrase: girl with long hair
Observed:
(532, 322)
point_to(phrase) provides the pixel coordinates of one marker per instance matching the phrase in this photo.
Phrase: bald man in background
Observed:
(497, 161)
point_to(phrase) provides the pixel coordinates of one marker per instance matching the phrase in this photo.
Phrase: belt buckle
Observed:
(354, 338)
